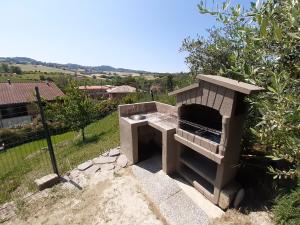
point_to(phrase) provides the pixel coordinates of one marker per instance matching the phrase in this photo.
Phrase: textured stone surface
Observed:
(179, 209)
(122, 161)
(85, 165)
(93, 169)
(227, 195)
(160, 187)
(146, 168)
(103, 160)
(174, 205)
(114, 152)
(105, 153)
(47, 181)
(106, 167)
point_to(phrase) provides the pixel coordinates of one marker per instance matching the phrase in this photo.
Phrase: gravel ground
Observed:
(101, 191)
(101, 195)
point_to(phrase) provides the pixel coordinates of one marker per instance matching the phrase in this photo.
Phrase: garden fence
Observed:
(24, 149)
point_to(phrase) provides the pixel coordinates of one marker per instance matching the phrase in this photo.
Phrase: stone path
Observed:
(172, 202)
(86, 172)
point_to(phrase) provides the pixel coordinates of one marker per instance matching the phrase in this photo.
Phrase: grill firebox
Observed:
(201, 120)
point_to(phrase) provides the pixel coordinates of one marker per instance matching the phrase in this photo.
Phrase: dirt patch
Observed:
(114, 199)
(233, 217)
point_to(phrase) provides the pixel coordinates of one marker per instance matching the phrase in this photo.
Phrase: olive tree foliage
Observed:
(259, 45)
(76, 110)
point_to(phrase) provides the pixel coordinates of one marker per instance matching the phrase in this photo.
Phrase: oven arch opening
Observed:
(201, 120)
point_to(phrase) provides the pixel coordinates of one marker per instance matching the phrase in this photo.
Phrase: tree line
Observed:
(5, 68)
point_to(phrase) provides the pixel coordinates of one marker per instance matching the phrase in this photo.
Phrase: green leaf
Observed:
(263, 27)
(294, 35)
(226, 4)
(277, 32)
(271, 89)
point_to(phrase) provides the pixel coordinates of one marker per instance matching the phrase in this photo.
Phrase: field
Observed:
(29, 77)
(40, 68)
(19, 166)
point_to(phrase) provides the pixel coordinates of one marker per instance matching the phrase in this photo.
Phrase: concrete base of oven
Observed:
(160, 118)
(171, 142)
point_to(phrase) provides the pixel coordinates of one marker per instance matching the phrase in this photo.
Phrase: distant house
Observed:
(16, 101)
(96, 92)
(120, 91)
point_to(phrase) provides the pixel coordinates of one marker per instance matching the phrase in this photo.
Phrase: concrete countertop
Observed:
(157, 120)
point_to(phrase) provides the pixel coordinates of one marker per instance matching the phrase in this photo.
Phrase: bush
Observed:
(258, 45)
(29, 132)
(287, 208)
(106, 107)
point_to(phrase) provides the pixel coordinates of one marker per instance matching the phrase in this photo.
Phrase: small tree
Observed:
(170, 83)
(16, 69)
(76, 110)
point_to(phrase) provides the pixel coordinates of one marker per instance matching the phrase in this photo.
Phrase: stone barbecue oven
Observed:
(200, 137)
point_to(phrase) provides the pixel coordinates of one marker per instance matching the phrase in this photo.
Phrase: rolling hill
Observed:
(28, 64)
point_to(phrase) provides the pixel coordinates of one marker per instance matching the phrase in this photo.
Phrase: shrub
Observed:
(287, 208)
(259, 45)
(29, 132)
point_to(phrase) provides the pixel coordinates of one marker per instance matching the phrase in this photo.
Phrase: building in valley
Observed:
(16, 100)
(120, 91)
(96, 92)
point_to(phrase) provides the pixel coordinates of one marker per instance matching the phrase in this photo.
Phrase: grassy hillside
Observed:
(40, 68)
(28, 77)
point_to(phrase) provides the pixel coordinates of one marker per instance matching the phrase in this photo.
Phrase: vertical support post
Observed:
(152, 95)
(47, 133)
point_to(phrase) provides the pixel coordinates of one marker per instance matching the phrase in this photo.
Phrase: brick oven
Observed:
(202, 139)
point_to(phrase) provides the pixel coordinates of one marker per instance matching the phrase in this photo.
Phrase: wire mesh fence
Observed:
(24, 154)
(24, 151)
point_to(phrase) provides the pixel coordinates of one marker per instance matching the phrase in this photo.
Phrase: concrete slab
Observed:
(211, 210)
(93, 169)
(47, 181)
(106, 167)
(160, 187)
(104, 160)
(173, 203)
(122, 161)
(147, 168)
(114, 152)
(179, 209)
(85, 165)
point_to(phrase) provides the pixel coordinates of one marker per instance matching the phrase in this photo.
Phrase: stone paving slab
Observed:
(122, 161)
(179, 209)
(103, 160)
(47, 181)
(174, 205)
(105, 167)
(146, 168)
(114, 152)
(160, 187)
(85, 165)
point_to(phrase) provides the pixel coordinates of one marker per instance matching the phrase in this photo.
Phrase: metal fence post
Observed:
(47, 133)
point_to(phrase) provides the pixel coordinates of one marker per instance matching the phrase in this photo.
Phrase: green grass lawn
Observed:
(19, 166)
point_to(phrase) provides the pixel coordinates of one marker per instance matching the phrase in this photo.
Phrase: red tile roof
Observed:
(15, 93)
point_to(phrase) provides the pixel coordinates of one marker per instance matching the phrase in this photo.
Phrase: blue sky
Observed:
(136, 34)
